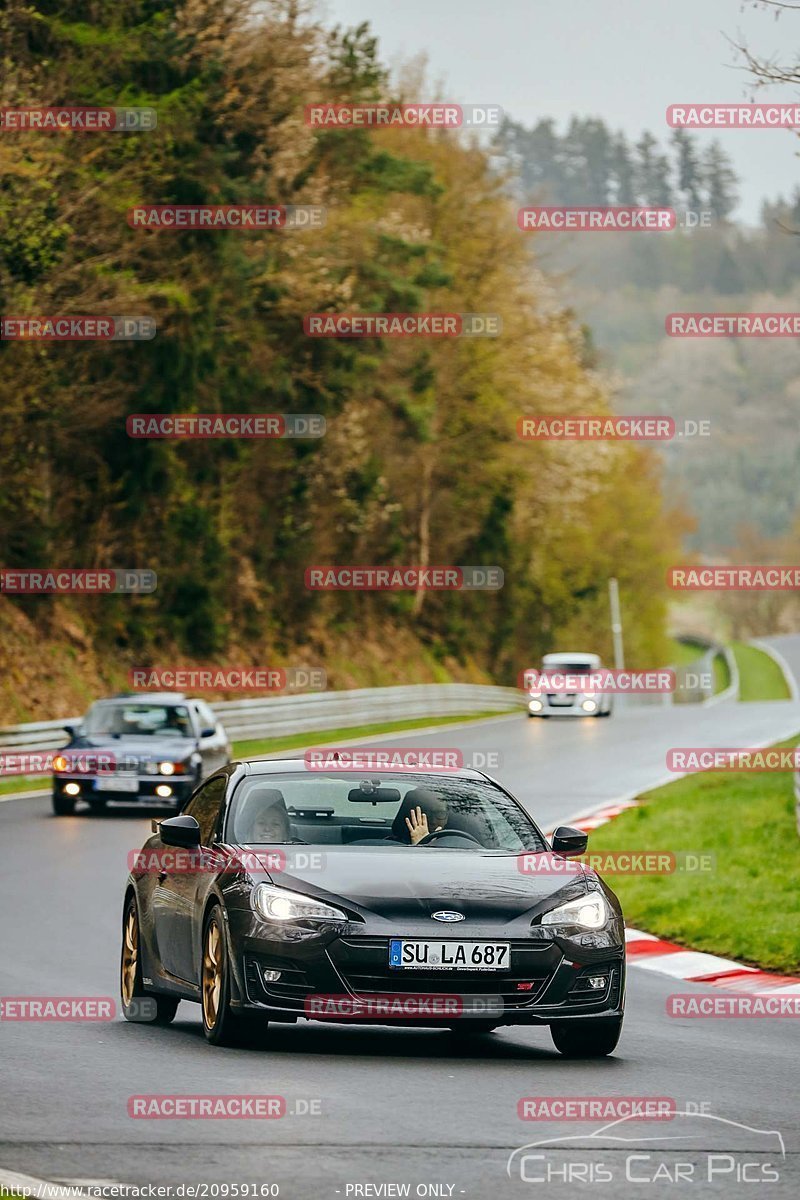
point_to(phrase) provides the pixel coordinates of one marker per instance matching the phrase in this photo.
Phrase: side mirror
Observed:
(180, 831)
(207, 732)
(71, 731)
(569, 841)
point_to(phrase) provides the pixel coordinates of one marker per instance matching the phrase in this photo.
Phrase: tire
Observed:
(586, 1039)
(63, 806)
(222, 1026)
(138, 1005)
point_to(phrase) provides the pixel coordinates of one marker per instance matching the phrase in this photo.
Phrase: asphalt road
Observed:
(394, 1106)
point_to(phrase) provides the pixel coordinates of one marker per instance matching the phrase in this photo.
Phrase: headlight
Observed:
(536, 694)
(278, 904)
(589, 705)
(588, 912)
(172, 768)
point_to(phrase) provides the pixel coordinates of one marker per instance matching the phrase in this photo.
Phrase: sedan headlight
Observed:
(278, 904)
(587, 912)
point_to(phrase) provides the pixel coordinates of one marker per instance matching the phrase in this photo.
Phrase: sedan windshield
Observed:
(384, 810)
(138, 720)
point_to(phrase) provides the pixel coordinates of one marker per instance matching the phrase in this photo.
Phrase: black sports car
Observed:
(283, 891)
(148, 749)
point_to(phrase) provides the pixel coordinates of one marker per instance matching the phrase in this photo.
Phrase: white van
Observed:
(587, 703)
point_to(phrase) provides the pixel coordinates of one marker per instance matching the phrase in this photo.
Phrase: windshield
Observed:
(138, 720)
(581, 668)
(379, 810)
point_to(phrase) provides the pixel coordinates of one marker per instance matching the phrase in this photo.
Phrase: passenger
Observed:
(421, 813)
(271, 822)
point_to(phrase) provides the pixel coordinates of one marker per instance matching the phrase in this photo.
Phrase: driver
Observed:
(422, 812)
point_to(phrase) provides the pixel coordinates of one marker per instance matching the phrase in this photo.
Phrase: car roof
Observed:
(578, 657)
(147, 697)
(277, 766)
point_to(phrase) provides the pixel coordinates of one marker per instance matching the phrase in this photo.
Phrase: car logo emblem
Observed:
(446, 915)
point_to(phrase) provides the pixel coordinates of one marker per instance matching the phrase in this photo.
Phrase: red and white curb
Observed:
(693, 966)
(654, 954)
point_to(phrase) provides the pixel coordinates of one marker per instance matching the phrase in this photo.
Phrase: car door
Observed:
(213, 744)
(179, 891)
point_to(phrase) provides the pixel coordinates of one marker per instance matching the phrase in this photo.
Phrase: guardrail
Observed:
(274, 716)
(695, 680)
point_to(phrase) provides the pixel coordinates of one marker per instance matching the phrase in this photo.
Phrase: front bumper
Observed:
(568, 704)
(348, 978)
(95, 787)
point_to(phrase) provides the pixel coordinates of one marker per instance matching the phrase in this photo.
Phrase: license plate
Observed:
(450, 956)
(117, 783)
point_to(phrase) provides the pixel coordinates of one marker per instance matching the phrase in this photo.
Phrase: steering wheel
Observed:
(431, 838)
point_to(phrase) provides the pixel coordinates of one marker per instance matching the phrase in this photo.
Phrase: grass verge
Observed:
(760, 677)
(748, 906)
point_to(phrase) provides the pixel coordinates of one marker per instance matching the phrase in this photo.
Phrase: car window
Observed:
(345, 809)
(138, 719)
(205, 806)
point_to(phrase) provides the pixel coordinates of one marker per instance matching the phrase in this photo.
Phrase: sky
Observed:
(622, 60)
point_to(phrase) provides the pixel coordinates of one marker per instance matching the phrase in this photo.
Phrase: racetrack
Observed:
(395, 1106)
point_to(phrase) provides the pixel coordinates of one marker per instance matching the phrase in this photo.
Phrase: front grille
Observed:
(561, 700)
(363, 965)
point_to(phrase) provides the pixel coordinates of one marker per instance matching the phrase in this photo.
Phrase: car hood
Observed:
(139, 748)
(406, 882)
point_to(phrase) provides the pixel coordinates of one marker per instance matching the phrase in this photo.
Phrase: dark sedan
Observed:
(283, 892)
(150, 749)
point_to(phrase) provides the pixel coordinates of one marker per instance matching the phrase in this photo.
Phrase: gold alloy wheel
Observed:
(130, 956)
(212, 973)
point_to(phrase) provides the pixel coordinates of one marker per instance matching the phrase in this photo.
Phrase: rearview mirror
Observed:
(569, 841)
(180, 831)
(375, 795)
